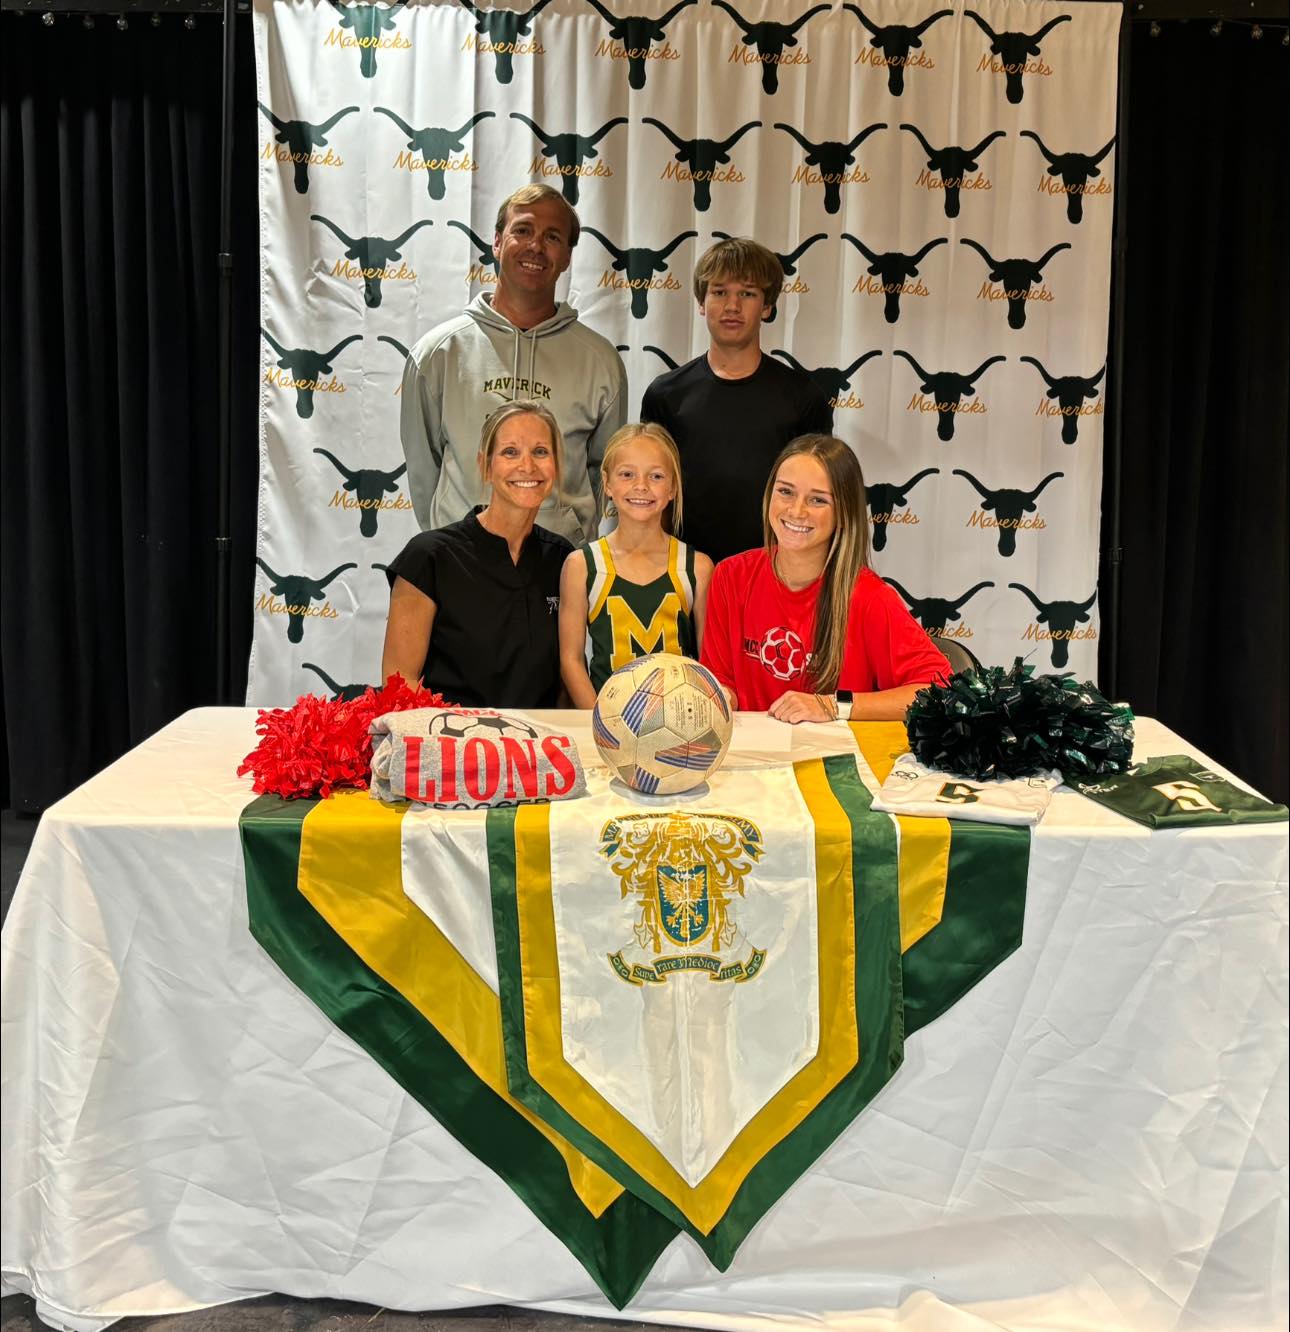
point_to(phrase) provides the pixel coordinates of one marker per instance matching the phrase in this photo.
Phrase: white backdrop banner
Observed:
(937, 182)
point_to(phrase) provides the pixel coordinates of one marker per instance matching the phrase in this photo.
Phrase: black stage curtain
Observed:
(109, 230)
(1206, 394)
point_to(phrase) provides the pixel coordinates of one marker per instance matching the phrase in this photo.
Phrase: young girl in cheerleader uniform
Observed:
(639, 590)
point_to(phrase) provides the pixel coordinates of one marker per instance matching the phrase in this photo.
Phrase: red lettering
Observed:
(521, 761)
(482, 786)
(412, 770)
(553, 746)
(448, 769)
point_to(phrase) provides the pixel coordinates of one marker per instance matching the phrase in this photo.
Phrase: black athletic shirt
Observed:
(729, 433)
(495, 641)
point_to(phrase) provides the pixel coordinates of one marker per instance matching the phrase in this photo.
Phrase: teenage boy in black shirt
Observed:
(732, 409)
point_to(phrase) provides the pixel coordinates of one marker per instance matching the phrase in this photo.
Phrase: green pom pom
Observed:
(997, 722)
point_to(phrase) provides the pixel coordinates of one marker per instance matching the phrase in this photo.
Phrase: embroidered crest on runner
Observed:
(683, 870)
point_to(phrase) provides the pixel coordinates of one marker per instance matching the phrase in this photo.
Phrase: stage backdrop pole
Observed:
(1119, 253)
(223, 542)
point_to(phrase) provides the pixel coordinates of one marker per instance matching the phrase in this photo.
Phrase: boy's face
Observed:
(734, 311)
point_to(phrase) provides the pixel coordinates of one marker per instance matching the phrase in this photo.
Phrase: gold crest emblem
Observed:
(683, 870)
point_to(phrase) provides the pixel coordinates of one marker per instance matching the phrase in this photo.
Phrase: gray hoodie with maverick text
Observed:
(464, 369)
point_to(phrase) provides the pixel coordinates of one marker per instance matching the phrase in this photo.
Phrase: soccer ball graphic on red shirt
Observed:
(783, 654)
(662, 724)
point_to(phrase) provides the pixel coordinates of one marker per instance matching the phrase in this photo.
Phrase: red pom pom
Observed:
(321, 744)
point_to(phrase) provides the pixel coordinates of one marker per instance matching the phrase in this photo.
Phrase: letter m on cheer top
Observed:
(626, 620)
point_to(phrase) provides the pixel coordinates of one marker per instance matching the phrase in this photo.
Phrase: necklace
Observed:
(774, 564)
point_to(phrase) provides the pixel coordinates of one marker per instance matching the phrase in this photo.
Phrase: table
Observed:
(1095, 1136)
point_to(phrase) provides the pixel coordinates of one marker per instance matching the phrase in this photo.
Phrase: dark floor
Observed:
(276, 1313)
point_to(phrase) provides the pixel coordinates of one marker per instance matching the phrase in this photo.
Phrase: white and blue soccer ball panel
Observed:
(662, 724)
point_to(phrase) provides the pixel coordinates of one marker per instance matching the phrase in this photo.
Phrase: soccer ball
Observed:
(662, 724)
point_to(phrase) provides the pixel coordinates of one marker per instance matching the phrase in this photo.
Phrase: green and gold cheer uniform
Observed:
(627, 620)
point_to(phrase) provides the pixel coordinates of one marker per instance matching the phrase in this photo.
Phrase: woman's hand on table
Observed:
(794, 707)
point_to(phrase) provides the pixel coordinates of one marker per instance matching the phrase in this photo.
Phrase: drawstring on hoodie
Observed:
(515, 366)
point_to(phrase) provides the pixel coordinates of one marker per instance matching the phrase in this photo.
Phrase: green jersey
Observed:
(1176, 792)
(627, 620)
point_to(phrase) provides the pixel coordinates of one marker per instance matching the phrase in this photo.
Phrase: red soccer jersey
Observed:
(758, 635)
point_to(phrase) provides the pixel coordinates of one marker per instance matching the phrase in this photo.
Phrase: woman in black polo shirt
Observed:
(474, 606)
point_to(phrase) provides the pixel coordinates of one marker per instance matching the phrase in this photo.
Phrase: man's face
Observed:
(533, 249)
(734, 311)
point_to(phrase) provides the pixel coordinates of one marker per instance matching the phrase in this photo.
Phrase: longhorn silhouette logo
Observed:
(1015, 276)
(658, 351)
(485, 258)
(570, 151)
(1014, 50)
(771, 39)
(934, 613)
(367, 22)
(893, 271)
(831, 380)
(398, 347)
(952, 165)
(636, 35)
(884, 498)
(435, 145)
(1061, 617)
(701, 158)
(297, 591)
(896, 41)
(787, 262)
(307, 368)
(303, 139)
(369, 486)
(502, 29)
(1070, 392)
(947, 390)
(342, 693)
(832, 158)
(639, 264)
(1008, 506)
(372, 254)
(1075, 171)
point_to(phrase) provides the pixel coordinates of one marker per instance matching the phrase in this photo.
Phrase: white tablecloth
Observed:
(1094, 1137)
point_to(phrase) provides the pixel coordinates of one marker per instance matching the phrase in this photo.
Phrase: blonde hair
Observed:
(848, 553)
(531, 194)
(740, 259)
(508, 410)
(644, 430)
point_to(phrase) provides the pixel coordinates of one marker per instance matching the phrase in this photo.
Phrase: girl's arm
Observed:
(721, 626)
(573, 631)
(885, 705)
(795, 707)
(702, 577)
(407, 632)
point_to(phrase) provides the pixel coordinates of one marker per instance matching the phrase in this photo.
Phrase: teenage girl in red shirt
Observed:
(805, 616)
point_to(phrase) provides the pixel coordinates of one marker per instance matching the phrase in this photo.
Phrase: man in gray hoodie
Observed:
(516, 343)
